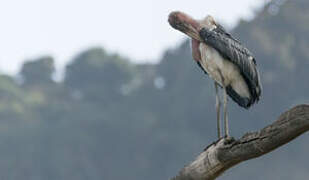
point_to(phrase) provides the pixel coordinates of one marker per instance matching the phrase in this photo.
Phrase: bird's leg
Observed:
(226, 124)
(218, 103)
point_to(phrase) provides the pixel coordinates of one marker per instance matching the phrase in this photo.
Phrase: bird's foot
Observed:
(228, 139)
(218, 140)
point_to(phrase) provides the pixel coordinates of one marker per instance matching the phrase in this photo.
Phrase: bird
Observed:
(224, 59)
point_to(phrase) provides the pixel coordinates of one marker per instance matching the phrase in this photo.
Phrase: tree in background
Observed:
(96, 75)
(38, 71)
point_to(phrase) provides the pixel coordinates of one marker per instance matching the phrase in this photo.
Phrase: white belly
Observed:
(214, 63)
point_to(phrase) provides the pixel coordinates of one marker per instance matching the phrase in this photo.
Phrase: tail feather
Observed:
(241, 101)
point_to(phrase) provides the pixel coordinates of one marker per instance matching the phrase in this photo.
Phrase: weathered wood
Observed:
(227, 152)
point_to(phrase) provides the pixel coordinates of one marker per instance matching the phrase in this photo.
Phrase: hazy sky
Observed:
(136, 29)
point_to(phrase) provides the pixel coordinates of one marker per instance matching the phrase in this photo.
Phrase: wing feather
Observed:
(232, 50)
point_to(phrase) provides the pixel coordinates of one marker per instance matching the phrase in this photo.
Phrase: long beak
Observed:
(184, 23)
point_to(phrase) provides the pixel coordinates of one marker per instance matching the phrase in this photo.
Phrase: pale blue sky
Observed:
(136, 29)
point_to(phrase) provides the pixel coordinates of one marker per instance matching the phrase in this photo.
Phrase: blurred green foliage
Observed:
(112, 119)
(38, 71)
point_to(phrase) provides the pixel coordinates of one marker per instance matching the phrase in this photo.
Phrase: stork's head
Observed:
(185, 24)
(191, 27)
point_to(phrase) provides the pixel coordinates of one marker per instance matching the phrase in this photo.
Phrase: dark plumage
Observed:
(232, 50)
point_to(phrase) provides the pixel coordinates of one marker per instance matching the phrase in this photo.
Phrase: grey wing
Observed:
(231, 49)
(220, 29)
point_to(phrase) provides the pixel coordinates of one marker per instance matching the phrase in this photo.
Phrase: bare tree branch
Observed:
(227, 152)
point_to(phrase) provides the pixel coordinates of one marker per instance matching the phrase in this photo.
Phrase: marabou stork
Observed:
(224, 59)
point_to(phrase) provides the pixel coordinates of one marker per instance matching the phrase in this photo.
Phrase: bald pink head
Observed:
(190, 27)
(185, 24)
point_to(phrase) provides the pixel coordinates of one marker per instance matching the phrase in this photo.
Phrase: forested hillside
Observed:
(112, 119)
